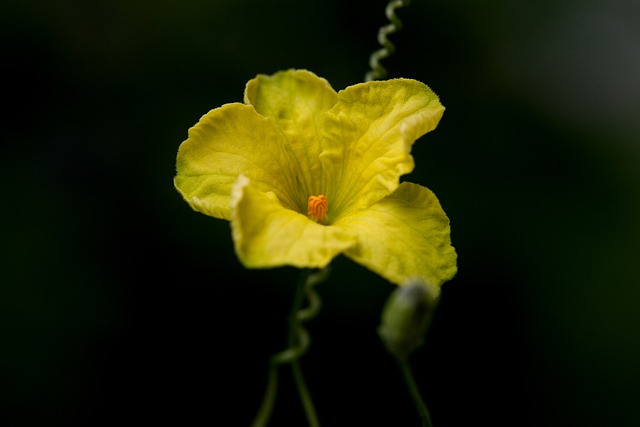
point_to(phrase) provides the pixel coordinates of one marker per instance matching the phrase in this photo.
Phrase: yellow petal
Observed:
(268, 235)
(226, 142)
(296, 100)
(368, 138)
(404, 236)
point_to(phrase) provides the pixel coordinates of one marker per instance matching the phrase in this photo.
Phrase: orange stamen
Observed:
(317, 207)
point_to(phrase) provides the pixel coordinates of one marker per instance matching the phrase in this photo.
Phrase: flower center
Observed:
(317, 207)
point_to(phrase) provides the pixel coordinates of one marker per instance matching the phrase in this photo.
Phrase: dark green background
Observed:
(119, 304)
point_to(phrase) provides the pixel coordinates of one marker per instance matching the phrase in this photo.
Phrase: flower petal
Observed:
(368, 138)
(226, 142)
(404, 236)
(296, 100)
(268, 235)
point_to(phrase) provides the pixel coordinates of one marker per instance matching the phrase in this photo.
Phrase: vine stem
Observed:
(298, 342)
(268, 401)
(409, 379)
(299, 337)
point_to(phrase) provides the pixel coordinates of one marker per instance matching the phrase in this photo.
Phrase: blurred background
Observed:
(118, 303)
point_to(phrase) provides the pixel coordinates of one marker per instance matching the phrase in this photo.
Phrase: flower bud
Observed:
(406, 317)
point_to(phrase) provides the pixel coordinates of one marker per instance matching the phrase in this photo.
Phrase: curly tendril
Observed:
(377, 70)
(299, 340)
(298, 344)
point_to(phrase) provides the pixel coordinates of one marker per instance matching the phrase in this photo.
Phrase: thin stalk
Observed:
(410, 381)
(298, 337)
(305, 397)
(297, 344)
(268, 401)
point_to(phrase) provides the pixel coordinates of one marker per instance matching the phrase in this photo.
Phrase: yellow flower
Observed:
(305, 174)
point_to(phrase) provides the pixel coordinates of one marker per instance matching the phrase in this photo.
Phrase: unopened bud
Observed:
(406, 317)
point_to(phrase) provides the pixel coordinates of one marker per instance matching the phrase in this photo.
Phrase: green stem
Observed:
(297, 344)
(298, 337)
(266, 408)
(305, 397)
(409, 379)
